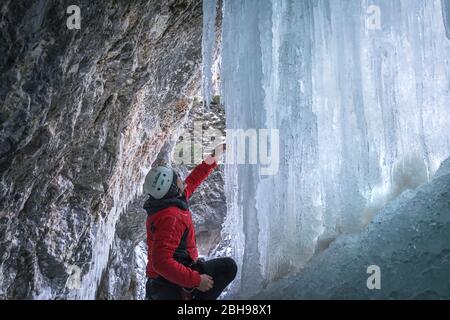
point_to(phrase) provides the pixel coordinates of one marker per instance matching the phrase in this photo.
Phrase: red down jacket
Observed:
(165, 230)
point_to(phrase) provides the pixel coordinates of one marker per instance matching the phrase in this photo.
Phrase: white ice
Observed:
(360, 91)
(208, 44)
(407, 242)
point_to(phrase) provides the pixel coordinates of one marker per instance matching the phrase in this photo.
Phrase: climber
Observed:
(174, 270)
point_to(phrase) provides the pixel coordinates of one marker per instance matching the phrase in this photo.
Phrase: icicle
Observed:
(208, 44)
(446, 14)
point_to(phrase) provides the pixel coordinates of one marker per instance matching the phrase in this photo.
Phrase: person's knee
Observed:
(231, 268)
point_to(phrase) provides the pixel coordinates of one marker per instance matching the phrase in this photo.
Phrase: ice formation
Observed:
(446, 15)
(360, 94)
(407, 241)
(208, 44)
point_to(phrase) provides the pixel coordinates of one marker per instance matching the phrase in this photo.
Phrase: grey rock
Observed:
(208, 203)
(83, 112)
(124, 278)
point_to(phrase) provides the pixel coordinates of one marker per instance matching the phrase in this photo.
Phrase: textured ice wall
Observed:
(360, 94)
(407, 240)
(446, 15)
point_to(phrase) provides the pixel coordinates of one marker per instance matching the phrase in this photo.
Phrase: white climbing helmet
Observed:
(158, 181)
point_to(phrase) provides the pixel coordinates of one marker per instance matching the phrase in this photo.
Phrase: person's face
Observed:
(181, 185)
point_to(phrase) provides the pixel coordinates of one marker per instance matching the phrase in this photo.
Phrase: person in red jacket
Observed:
(174, 270)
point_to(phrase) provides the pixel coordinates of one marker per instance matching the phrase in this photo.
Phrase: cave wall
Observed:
(124, 277)
(84, 113)
(208, 203)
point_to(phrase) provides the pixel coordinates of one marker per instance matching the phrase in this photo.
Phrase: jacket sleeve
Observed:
(196, 177)
(166, 238)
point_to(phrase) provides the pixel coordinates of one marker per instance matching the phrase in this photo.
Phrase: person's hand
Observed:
(206, 283)
(219, 150)
(216, 154)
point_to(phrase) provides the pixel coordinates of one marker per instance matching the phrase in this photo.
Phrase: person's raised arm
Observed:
(203, 170)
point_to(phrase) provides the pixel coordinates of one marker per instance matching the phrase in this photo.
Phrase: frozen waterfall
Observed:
(208, 42)
(407, 241)
(360, 94)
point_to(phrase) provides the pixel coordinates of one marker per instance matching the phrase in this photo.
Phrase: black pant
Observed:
(222, 270)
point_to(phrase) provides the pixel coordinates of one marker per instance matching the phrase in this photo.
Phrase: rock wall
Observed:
(208, 203)
(84, 113)
(124, 278)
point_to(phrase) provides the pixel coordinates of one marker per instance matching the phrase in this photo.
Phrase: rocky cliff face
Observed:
(124, 277)
(84, 113)
(208, 203)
